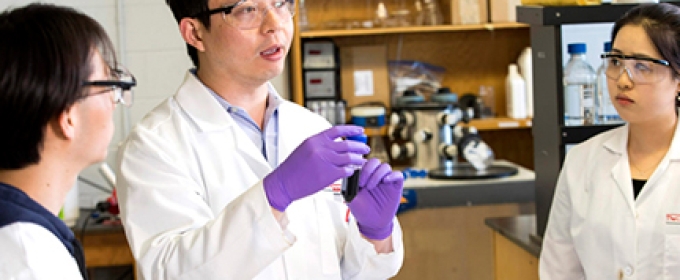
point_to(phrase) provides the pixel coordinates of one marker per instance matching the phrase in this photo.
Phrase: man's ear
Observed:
(65, 124)
(192, 32)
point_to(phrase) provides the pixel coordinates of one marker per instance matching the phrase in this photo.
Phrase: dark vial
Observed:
(350, 186)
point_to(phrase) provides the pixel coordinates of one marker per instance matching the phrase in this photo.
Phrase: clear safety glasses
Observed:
(247, 14)
(641, 70)
(119, 86)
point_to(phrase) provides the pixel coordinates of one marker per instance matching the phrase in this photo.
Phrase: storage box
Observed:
(320, 84)
(364, 74)
(466, 11)
(503, 10)
(318, 55)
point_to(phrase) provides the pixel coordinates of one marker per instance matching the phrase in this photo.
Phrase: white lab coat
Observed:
(36, 254)
(193, 205)
(597, 230)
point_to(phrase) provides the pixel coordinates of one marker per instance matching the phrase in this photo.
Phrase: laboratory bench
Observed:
(444, 233)
(104, 244)
(518, 188)
(516, 247)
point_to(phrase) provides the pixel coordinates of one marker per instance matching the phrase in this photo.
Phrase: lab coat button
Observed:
(628, 271)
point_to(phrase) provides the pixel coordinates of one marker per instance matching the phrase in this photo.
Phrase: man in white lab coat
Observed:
(227, 180)
(58, 90)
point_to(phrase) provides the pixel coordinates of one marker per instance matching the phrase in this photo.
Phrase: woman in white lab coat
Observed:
(193, 175)
(58, 90)
(616, 208)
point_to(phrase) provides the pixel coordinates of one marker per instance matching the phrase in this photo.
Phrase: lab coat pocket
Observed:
(672, 250)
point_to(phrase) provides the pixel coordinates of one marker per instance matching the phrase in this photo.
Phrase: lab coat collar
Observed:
(207, 113)
(618, 142)
(201, 106)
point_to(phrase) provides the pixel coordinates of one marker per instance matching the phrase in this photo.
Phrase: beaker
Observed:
(377, 144)
(401, 13)
(432, 15)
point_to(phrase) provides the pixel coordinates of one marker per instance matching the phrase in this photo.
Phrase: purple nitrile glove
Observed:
(316, 163)
(377, 200)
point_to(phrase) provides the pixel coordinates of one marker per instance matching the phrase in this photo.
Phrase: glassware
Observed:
(303, 22)
(606, 113)
(579, 88)
(432, 15)
(377, 144)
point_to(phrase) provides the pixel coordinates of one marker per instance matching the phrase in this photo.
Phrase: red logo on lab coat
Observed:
(673, 219)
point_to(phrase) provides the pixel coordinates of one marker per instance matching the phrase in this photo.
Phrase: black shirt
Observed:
(637, 187)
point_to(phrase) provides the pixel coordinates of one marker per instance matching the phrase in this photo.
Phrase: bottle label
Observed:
(579, 104)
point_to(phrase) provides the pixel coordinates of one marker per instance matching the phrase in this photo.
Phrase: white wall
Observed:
(148, 42)
(593, 35)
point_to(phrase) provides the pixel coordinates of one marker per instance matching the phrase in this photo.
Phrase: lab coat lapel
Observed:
(657, 180)
(620, 171)
(210, 117)
(290, 133)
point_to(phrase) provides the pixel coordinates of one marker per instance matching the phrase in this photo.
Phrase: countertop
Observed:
(437, 193)
(86, 223)
(519, 230)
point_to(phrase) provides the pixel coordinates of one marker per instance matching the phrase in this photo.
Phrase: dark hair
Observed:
(45, 56)
(661, 22)
(187, 8)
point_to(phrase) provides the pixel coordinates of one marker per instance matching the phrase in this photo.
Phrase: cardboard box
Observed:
(364, 74)
(503, 10)
(466, 11)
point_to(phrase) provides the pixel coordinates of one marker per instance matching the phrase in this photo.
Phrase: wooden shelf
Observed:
(500, 123)
(410, 29)
(480, 124)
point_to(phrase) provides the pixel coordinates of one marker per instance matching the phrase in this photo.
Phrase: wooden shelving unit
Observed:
(410, 29)
(473, 55)
(500, 123)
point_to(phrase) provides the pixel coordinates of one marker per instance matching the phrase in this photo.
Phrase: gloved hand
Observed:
(377, 200)
(316, 163)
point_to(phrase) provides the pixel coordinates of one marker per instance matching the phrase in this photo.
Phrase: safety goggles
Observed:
(247, 14)
(119, 86)
(641, 70)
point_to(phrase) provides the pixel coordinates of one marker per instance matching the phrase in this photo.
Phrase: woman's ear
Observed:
(192, 32)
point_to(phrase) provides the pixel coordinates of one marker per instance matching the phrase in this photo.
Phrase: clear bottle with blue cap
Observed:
(606, 112)
(579, 88)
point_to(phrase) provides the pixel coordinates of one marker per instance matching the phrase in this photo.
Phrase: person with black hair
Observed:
(616, 209)
(59, 85)
(228, 180)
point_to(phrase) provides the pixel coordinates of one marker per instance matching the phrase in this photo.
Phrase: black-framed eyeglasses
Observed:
(120, 86)
(640, 69)
(248, 14)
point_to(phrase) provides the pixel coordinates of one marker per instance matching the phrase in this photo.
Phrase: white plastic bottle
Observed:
(579, 88)
(606, 112)
(526, 71)
(515, 94)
